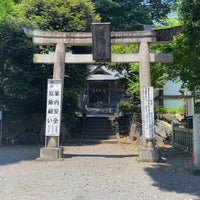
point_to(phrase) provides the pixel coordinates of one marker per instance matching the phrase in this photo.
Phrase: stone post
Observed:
(52, 151)
(109, 98)
(58, 74)
(148, 151)
(196, 144)
(1, 122)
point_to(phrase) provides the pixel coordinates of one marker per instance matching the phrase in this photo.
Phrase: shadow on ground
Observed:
(99, 156)
(94, 155)
(172, 173)
(10, 154)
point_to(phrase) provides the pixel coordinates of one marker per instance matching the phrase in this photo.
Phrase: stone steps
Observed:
(97, 130)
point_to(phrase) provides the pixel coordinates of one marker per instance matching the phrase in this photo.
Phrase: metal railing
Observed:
(183, 138)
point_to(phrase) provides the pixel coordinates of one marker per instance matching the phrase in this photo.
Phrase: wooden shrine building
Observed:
(103, 93)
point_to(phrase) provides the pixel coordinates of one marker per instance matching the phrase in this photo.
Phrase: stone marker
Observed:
(196, 144)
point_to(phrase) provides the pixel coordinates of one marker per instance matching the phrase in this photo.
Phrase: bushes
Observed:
(167, 110)
(125, 107)
(197, 107)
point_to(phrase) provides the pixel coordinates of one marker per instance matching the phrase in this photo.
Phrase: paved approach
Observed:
(95, 172)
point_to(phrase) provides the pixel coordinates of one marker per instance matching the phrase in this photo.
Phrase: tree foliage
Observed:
(123, 15)
(63, 15)
(131, 15)
(22, 81)
(8, 10)
(158, 10)
(189, 14)
(186, 46)
(59, 15)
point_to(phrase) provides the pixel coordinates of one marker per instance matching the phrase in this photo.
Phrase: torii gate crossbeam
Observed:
(88, 59)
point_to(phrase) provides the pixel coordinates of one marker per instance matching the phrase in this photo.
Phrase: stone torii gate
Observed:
(60, 57)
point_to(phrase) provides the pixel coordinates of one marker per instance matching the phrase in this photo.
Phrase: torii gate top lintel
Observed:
(85, 38)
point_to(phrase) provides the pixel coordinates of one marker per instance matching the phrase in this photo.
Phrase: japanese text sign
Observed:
(53, 111)
(149, 112)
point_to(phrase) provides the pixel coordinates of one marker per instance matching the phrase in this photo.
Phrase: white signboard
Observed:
(0, 115)
(190, 107)
(148, 112)
(53, 111)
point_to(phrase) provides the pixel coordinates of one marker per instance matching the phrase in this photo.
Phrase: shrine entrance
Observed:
(101, 40)
(103, 92)
(98, 94)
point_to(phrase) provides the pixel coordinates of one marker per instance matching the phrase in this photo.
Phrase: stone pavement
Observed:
(95, 172)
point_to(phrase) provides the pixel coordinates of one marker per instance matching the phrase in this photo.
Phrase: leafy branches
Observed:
(186, 46)
(59, 15)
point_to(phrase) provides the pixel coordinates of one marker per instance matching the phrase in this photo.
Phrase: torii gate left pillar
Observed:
(52, 151)
(58, 74)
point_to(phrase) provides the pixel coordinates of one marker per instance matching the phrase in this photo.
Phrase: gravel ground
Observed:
(95, 172)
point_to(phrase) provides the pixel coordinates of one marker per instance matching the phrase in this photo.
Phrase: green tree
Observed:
(20, 80)
(190, 62)
(123, 15)
(130, 15)
(14, 56)
(63, 15)
(59, 15)
(186, 47)
(190, 16)
(8, 10)
(158, 9)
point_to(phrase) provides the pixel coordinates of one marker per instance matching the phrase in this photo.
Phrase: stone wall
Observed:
(163, 127)
(25, 129)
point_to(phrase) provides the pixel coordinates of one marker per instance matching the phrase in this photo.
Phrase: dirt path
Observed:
(95, 172)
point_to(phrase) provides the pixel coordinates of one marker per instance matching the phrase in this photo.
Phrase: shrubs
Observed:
(167, 110)
(197, 107)
(125, 107)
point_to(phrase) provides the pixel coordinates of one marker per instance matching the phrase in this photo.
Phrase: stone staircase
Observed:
(98, 129)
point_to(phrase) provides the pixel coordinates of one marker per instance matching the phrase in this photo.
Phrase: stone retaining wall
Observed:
(163, 127)
(25, 129)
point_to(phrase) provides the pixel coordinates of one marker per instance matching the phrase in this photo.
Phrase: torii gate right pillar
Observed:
(148, 152)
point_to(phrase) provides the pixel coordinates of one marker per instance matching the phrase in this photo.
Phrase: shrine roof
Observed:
(100, 73)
